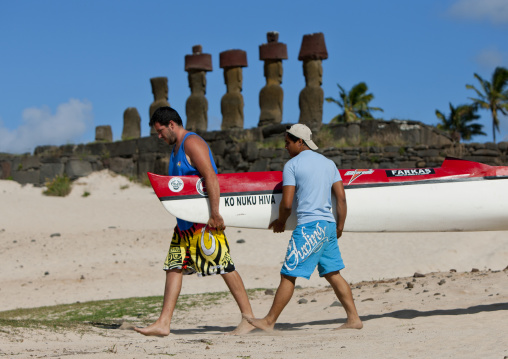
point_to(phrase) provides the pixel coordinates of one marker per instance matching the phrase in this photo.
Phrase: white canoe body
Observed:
(458, 196)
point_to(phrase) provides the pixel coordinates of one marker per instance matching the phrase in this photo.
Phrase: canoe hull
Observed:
(428, 200)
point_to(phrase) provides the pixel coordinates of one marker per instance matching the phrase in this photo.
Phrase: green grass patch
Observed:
(60, 186)
(272, 143)
(374, 159)
(106, 314)
(145, 181)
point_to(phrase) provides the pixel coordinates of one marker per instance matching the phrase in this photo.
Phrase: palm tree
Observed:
(458, 123)
(355, 104)
(494, 95)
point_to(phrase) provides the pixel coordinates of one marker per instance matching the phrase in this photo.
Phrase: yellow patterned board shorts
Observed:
(200, 250)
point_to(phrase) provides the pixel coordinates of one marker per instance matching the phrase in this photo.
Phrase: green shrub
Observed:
(146, 182)
(272, 143)
(60, 186)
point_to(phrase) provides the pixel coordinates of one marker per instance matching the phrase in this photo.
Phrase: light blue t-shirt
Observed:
(313, 176)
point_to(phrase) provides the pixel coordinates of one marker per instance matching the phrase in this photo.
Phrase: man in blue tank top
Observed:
(192, 156)
(312, 178)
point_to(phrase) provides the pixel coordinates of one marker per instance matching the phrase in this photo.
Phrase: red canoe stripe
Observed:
(409, 183)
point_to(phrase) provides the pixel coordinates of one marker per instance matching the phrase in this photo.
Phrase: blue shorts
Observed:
(311, 244)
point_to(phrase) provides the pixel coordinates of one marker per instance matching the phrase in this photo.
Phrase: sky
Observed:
(69, 66)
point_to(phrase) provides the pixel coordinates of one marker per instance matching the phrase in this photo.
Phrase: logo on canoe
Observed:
(201, 187)
(357, 173)
(412, 172)
(175, 184)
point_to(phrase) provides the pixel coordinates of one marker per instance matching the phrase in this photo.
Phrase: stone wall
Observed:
(369, 144)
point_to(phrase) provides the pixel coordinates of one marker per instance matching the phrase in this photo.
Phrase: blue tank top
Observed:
(179, 166)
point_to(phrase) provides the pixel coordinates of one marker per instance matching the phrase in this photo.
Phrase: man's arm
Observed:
(197, 151)
(279, 225)
(340, 195)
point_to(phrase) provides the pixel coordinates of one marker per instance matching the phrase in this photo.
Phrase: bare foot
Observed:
(357, 324)
(261, 324)
(243, 328)
(156, 329)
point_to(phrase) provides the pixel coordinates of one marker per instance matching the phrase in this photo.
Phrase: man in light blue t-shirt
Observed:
(312, 178)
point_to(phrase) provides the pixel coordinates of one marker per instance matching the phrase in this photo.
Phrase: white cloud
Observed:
(40, 127)
(495, 11)
(489, 58)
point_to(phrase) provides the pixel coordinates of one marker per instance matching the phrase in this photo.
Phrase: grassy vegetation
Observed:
(323, 138)
(60, 186)
(107, 314)
(145, 181)
(105, 154)
(272, 143)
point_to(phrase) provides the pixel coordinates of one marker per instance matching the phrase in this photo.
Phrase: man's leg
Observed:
(282, 298)
(345, 296)
(162, 325)
(237, 289)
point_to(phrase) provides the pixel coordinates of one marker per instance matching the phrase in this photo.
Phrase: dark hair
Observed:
(165, 114)
(292, 137)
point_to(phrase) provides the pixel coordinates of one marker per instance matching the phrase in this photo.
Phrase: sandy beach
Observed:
(111, 244)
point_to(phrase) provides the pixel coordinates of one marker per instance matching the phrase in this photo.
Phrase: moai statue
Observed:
(160, 96)
(131, 124)
(311, 99)
(270, 96)
(103, 133)
(231, 103)
(196, 106)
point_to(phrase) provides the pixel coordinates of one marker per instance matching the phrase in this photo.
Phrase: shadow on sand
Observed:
(398, 314)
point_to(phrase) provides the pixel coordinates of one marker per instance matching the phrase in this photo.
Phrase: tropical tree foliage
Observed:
(459, 122)
(493, 96)
(355, 104)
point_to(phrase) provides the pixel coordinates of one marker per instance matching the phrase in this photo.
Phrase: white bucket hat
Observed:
(301, 131)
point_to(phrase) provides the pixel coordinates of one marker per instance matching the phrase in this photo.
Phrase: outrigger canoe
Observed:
(458, 196)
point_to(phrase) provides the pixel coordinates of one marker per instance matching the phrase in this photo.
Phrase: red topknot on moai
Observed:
(231, 103)
(311, 99)
(196, 107)
(271, 96)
